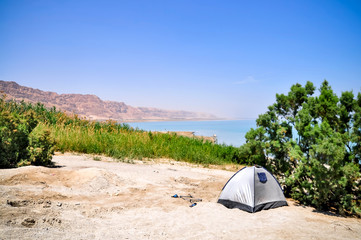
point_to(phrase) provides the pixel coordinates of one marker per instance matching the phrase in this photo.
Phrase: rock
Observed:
(18, 203)
(47, 204)
(28, 222)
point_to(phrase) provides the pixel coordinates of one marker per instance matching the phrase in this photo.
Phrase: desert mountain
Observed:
(92, 107)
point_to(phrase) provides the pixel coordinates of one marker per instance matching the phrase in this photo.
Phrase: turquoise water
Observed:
(230, 132)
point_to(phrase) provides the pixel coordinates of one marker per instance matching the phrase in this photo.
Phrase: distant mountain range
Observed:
(94, 108)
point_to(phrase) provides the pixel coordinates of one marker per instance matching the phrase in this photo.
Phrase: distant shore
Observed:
(212, 139)
(183, 120)
(174, 120)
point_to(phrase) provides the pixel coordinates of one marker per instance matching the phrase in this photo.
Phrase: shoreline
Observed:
(188, 120)
(228, 132)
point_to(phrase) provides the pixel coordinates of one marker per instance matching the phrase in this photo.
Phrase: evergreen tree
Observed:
(313, 144)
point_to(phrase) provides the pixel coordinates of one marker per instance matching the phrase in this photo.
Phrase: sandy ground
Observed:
(87, 199)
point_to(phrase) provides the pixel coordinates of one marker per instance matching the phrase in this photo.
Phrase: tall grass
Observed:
(72, 133)
(136, 144)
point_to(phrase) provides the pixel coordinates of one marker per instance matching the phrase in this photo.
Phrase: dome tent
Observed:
(252, 189)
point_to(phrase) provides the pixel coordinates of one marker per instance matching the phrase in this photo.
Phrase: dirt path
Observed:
(87, 199)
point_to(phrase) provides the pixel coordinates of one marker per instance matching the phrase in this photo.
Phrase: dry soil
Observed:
(87, 197)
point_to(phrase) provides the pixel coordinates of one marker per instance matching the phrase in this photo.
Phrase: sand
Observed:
(83, 198)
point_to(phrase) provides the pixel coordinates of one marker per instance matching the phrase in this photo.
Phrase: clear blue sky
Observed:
(229, 58)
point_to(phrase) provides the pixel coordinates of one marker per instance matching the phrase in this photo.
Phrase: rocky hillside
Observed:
(93, 107)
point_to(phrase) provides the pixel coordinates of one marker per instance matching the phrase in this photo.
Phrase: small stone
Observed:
(28, 222)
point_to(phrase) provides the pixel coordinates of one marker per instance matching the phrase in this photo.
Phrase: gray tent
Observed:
(252, 189)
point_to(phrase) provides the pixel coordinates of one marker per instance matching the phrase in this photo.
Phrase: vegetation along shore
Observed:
(311, 143)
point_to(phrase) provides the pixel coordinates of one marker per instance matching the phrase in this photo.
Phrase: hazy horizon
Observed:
(226, 58)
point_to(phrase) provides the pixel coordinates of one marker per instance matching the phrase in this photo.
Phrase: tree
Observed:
(312, 143)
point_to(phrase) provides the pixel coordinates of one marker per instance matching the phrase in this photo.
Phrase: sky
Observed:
(227, 58)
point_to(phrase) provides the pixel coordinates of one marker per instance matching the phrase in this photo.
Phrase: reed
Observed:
(137, 144)
(72, 133)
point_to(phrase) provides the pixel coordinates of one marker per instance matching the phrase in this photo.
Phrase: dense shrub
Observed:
(19, 143)
(41, 146)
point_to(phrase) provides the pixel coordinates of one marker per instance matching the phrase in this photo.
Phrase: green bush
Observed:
(41, 146)
(19, 143)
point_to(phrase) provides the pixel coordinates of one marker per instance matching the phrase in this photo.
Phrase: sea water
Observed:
(229, 132)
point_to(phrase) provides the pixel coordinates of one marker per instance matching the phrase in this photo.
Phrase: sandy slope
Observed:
(87, 199)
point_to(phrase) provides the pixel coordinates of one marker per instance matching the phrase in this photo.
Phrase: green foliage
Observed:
(30, 134)
(41, 146)
(13, 138)
(120, 141)
(313, 144)
(19, 143)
